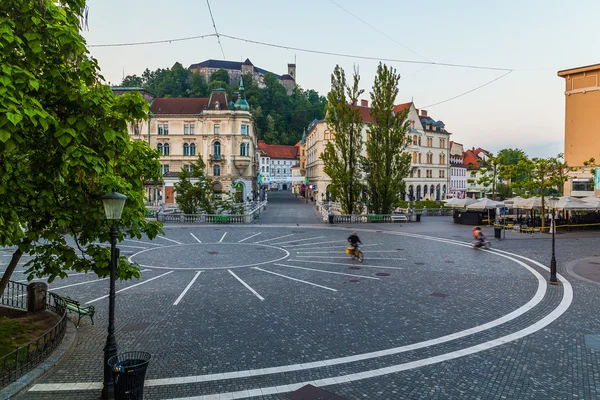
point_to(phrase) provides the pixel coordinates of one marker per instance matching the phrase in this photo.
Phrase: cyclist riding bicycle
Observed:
(479, 236)
(354, 240)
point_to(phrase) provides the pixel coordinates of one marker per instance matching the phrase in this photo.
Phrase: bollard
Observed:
(36, 296)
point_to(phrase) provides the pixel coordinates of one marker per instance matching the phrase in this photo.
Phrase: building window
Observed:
(429, 142)
(217, 170)
(442, 173)
(418, 173)
(442, 158)
(578, 186)
(136, 129)
(443, 143)
(165, 169)
(188, 129)
(415, 157)
(159, 147)
(414, 141)
(166, 149)
(244, 129)
(192, 149)
(419, 158)
(244, 149)
(217, 129)
(163, 129)
(186, 149)
(262, 169)
(217, 149)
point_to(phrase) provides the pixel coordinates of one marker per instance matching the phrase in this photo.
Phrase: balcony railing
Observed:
(216, 157)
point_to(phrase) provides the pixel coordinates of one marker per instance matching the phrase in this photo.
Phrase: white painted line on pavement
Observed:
(279, 237)
(129, 287)
(141, 241)
(340, 256)
(299, 240)
(86, 282)
(223, 237)
(194, 236)
(329, 272)
(120, 245)
(246, 285)
(187, 288)
(294, 279)
(312, 244)
(341, 249)
(170, 240)
(249, 237)
(347, 265)
(336, 247)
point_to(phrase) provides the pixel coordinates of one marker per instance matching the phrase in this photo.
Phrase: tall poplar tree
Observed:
(386, 164)
(342, 156)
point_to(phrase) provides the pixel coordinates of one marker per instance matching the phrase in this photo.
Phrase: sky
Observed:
(533, 38)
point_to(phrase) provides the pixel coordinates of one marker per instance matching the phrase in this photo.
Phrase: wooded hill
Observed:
(280, 118)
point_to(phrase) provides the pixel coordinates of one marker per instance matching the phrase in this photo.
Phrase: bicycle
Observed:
(355, 253)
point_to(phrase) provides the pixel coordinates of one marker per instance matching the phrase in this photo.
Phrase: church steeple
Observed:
(241, 104)
(303, 140)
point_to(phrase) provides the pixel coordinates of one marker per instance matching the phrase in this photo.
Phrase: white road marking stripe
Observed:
(129, 287)
(337, 247)
(280, 237)
(329, 272)
(120, 245)
(341, 249)
(294, 279)
(141, 241)
(86, 282)
(170, 240)
(223, 237)
(347, 265)
(246, 285)
(313, 244)
(187, 288)
(340, 256)
(298, 240)
(540, 293)
(194, 236)
(249, 237)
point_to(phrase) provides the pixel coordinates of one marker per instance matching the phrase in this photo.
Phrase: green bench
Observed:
(221, 219)
(75, 306)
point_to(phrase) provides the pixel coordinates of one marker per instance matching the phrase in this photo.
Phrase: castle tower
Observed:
(292, 70)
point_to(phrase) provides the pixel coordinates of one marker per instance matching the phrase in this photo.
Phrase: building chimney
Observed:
(354, 102)
(364, 103)
(423, 113)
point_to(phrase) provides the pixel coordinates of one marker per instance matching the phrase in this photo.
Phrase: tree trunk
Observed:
(10, 269)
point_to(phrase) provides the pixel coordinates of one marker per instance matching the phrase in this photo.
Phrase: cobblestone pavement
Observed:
(258, 311)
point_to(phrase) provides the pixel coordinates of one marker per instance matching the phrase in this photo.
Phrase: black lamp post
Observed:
(553, 201)
(113, 208)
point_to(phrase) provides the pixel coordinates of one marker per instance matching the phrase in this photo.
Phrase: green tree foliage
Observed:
(63, 144)
(542, 175)
(194, 190)
(132, 81)
(490, 173)
(510, 164)
(386, 164)
(341, 157)
(220, 75)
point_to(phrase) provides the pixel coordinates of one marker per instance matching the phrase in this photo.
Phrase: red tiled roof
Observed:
(278, 150)
(401, 107)
(185, 106)
(365, 112)
(470, 157)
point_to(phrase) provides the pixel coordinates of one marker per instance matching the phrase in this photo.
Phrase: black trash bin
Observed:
(418, 217)
(129, 372)
(498, 232)
(331, 218)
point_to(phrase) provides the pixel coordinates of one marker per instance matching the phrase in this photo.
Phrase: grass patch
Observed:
(16, 332)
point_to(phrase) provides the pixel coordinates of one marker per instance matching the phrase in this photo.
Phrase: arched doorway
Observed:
(411, 193)
(239, 192)
(425, 191)
(418, 192)
(437, 192)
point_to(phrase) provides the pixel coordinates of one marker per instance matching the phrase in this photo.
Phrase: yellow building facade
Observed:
(582, 126)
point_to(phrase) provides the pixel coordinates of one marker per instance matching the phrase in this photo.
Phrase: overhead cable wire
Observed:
(152, 42)
(470, 91)
(365, 57)
(380, 31)
(215, 26)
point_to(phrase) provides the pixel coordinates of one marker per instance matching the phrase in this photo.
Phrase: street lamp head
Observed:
(553, 201)
(113, 205)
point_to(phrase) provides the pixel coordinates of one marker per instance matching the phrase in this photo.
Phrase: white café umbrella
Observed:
(531, 203)
(514, 202)
(460, 203)
(594, 203)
